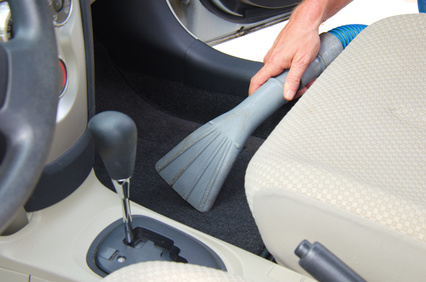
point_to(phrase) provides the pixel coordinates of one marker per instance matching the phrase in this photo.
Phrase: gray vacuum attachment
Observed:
(198, 166)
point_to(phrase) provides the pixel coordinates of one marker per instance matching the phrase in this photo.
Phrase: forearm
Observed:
(314, 12)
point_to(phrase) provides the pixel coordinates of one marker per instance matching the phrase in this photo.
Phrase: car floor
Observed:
(159, 131)
(166, 112)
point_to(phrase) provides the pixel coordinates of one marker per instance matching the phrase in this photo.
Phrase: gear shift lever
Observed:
(115, 137)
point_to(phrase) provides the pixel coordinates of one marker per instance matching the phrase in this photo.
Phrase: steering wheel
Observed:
(28, 102)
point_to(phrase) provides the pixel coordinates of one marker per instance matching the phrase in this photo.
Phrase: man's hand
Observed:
(295, 48)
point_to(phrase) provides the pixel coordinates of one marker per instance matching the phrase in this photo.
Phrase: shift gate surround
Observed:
(154, 240)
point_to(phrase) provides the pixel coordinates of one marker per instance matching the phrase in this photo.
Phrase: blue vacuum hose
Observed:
(332, 43)
(422, 6)
(346, 33)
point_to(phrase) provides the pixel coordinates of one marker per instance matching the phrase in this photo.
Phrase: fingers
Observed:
(257, 80)
(295, 48)
(304, 89)
(291, 85)
(266, 72)
(292, 82)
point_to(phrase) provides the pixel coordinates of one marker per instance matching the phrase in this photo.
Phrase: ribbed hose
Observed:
(346, 33)
(422, 6)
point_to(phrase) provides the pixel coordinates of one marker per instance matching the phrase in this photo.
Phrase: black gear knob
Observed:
(115, 137)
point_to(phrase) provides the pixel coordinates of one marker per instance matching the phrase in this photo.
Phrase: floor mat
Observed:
(158, 132)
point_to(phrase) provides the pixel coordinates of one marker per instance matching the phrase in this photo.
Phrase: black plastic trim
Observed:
(212, 70)
(249, 13)
(151, 41)
(171, 245)
(272, 4)
(64, 175)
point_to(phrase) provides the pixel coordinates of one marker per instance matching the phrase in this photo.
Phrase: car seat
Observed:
(159, 271)
(347, 165)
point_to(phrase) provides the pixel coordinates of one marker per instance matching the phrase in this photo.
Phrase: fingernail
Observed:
(289, 95)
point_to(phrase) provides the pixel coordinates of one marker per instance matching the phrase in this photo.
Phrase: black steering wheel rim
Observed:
(28, 108)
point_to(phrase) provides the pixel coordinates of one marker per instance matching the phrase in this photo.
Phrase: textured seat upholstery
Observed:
(347, 166)
(162, 271)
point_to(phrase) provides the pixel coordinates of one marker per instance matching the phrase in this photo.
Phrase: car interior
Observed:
(93, 94)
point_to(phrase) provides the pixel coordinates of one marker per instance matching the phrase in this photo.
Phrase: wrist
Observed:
(310, 13)
(314, 12)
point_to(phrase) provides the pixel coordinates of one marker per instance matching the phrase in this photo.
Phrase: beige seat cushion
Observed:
(163, 271)
(347, 166)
